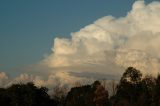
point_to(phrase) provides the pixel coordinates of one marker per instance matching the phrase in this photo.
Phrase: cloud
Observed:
(102, 50)
(4, 79)
(111, 44)
(61, 79)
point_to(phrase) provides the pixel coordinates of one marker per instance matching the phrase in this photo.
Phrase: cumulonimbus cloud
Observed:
(105, 48)
(111, 44)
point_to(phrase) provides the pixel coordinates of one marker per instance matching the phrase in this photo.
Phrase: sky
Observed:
(28, 27)
(57, 33)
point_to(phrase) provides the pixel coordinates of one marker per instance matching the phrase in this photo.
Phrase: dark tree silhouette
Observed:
(89, 95)
(132, 90)
(147, 93)
(25, 95)
(131, 75)
(129, 87)
(157, 92)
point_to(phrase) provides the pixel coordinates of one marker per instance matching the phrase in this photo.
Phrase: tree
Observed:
(25, 95)
(88, 95)
(100, 96)
(129, 88)
(131, 75)
(59, 94)
(157, 92)
(79, 96)
(147, 92)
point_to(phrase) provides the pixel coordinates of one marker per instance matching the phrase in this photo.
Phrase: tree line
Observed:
(131, 90)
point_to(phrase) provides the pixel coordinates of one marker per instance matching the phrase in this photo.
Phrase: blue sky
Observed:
(28, 27)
